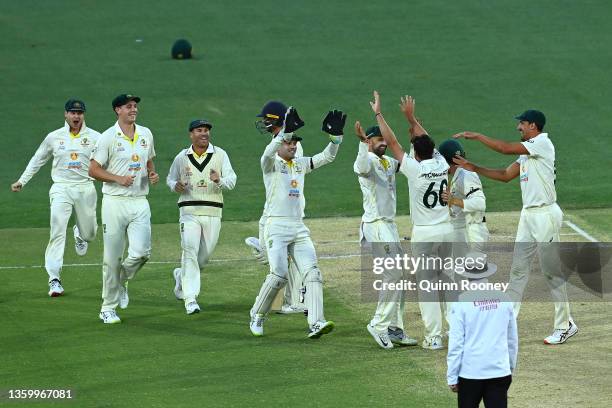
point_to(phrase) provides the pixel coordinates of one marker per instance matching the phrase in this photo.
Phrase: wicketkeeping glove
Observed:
(334, 123)
(292, 120)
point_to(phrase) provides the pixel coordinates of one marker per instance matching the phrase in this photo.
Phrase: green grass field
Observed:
(471, 65)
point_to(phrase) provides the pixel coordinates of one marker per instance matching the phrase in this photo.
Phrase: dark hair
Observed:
(540, 126)
(424, 147)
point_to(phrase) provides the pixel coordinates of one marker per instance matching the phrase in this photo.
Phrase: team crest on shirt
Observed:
(294, 183)
(84, 142)
(298, 168)
(143, 143)
(202, 183)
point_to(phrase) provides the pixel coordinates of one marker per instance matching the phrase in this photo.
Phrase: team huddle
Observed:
(447, 205)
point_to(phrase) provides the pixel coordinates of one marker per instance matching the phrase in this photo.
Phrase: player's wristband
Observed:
(336, 139)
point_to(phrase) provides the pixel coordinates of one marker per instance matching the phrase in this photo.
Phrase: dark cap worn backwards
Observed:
(199, 123)
(533, 116)
(122, 99)
(373, 131)
(74, 105)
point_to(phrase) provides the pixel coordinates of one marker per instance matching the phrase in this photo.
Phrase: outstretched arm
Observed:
(407, 105)
(499, 146)
(509, 173)
(387, 132)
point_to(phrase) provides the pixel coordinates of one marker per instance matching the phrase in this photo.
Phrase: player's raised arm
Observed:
(292, 123)
(333, 124)
(509, 173)
(385, 130)
(407, 105)
(362, 165)
(499, 146)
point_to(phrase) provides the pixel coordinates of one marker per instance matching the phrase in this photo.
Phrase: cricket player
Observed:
(432, 232)
(271, 121)
(540, 223)
(123, 160)
(376, 174)
(72, 189)
(285, 233)
(199, 174)
(467, 202)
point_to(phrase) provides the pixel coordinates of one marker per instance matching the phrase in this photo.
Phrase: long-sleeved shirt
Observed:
(483, 339)
(201, 196)
(70, 156)
(377, 182)
(284, 180)
(466, 185)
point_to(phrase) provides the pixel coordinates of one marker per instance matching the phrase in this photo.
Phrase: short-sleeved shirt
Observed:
(537, 172)
(124, 157)
(427, 179)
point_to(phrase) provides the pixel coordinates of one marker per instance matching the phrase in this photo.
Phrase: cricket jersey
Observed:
(70, 156)
(537, 172)
(466, 185)
(121, 156)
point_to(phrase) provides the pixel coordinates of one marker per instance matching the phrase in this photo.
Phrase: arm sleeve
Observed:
(174, 175)
(40, 158)
(512, 339)
(456, 340)
(327, 156)
(100, 151)
(151, 148)
(475, 199)
(362, 164)
(409, 166)
(269, 155)
(228, 176)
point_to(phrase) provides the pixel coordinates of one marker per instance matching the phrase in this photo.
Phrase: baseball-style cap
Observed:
(122, 99)
(273, 110)
(373, 131)
(533, 116)
(74, 105)
(199, 123)
(450, 148)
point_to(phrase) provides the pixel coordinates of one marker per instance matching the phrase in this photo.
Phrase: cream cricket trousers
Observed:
(292, 291)
(123, 217)
(539, 232)
(390, 308)
(199, 235)
(432, 241)
(64, 198)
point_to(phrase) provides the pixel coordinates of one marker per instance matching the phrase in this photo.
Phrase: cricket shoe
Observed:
(192, 307)
(109, 317)
(291, 309)
(559, 336)
(80, 246)
(400, 338)
(256, 325)
(320, 328)
(55, 288)
(178, 288)
(382, 339)
(256, 249)
(433, 343)
(124, 299)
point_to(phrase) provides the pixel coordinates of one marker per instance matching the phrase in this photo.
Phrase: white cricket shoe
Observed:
(433, 343)
(382, 339)
(109, 317)
(124, 300)
(192, 307)
(291, 309)
(559, 336)
(400, 338)
(178, 288)
(80, 246)
(320, 328)
(256, 325)
(256, 249)
(55, 288)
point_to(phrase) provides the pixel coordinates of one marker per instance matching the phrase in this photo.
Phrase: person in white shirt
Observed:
(285, 233)
(199, 174)
(540, 223)
(72, 189)
(290, 301)
(376, 174)
(432, 232)
(483, 339)
(123, 160)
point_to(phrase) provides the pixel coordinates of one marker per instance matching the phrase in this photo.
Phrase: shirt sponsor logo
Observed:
(432, 174)
(61, 145)
(294, 192)
(74, 155)
(135, 166)
(294, 183)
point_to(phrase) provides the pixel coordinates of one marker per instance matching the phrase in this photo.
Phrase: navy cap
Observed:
(199, 123)
(122, 99)
(74, 105)
(373, 131)
(274, 110)
(295, 137)
(532, 116)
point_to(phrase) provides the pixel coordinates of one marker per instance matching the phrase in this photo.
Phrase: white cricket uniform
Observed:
(125, 210)
(469, 222)
(377, 182)
(539, 226)
(200, 207)
(72, 188)
(292, 291)
(285, 233)
(432, 231)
